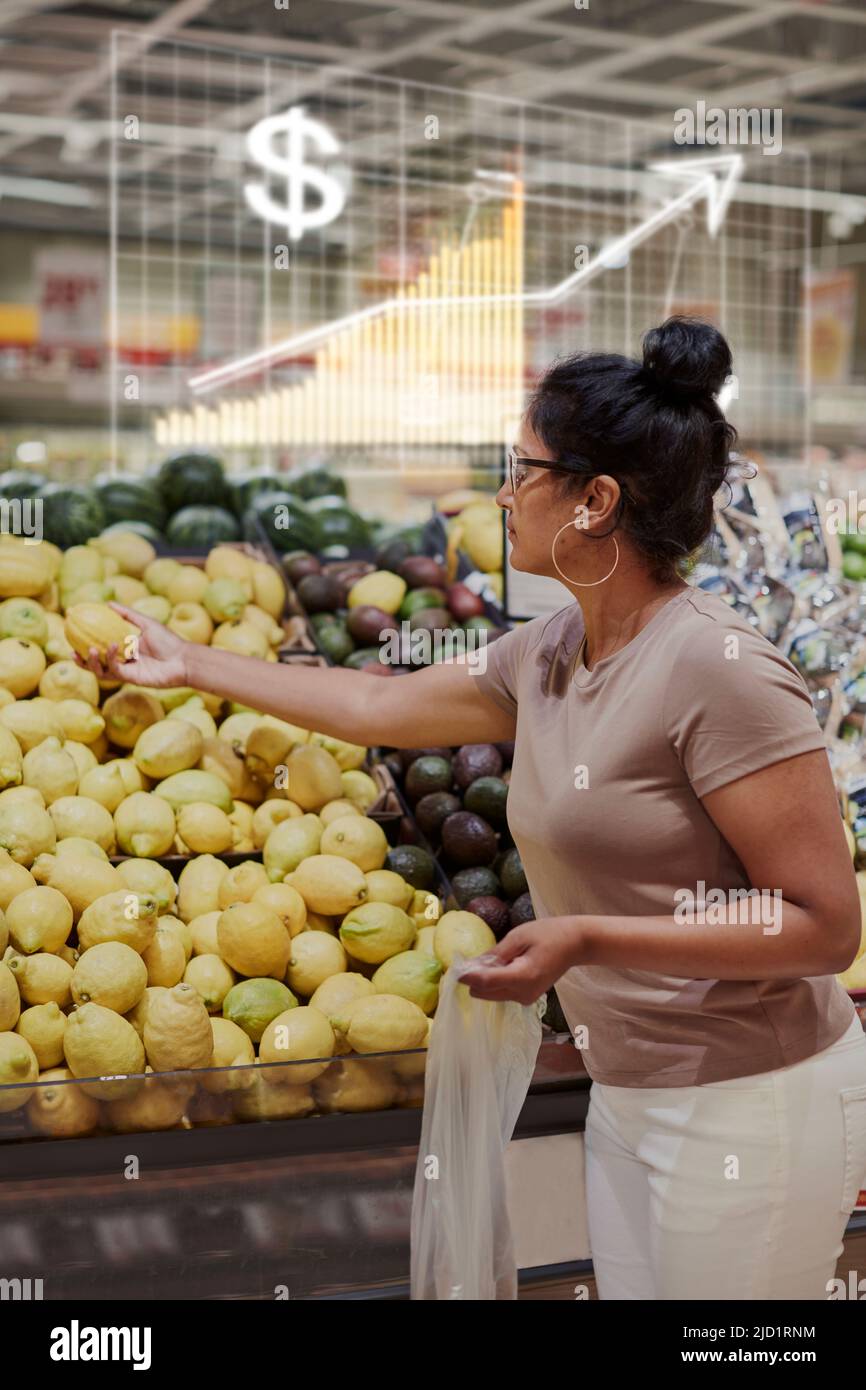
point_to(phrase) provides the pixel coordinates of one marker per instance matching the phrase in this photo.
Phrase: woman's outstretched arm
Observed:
(440, 705)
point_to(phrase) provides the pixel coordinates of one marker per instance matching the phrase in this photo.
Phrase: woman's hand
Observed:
(160, 659)
(527, 961)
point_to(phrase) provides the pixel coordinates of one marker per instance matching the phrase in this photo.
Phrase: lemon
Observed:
(80, 721)
(42, 978)
(375, 931)
(265, 1101)
(241, 818)
(358, 839)
(65, 680)
(177, 1031)
(252, 1004)
(110, 974)
(171, 745)
(39, 919)
(187, 586)
(100, 1043)
(329, 884)
(43, 1025)
(14, 879)
(21, 666)
(203, 931)
(414, 1064)
(213, 979)
(23, 618)
(145, 825)
(153, 880)
(384, 886)
(69, 954)
(463, 933)
(425, 908)
(194, 712)
(286, 902)
(314, 777)
(289, 843)
(26, 831)
(253, 940)
(198, 887)
(334, 810)
(354, 1084)
(126, 916)
(10, 999)
(231, 1048)
(383, 1023)
(241, 882)
(51, 770)
(223, 562)
(18, 1065)
(334, 994)
(359, 788)
(181, 931)
(160, 574)
(79, 815)
(315, 956)
(425, 940)
(84, 758)
(412, 974)
(270, 814)
(205, 828)
(164, 959)
(138, 1013)
(31, 722)
(159, 1104)
(381, 588)
(81, 877)
(59, 1107)
(11, 759)
(4, 934)
(76, 844)
(103, 784)
(302, 1033)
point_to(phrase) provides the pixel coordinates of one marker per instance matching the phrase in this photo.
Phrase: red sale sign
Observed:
(70, 286)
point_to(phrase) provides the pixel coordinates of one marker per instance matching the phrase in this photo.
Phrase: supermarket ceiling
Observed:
(628, 58)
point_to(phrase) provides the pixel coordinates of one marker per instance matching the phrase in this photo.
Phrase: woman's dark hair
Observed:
(654, 426)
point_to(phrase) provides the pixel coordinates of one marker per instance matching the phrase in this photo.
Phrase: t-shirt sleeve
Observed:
(498, 669)
(733, 708)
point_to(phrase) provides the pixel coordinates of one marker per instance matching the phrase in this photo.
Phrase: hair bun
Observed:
(687, 358)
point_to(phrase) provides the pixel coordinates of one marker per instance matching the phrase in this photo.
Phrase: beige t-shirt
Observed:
(609, 766)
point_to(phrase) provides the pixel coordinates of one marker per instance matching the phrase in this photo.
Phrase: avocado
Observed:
(494, 912)
(318, 620)
(391, 556)
(421, 571)
(319, 593)
(433, 809)
(487, 797)
(510, 871)
(366, 622)
(335, 641)
(464, 604)
(507, 752)
(413, 864)
(430, 620)
(480, 623)
(468, 840)
(421, 598)
(476, 760)
(408, 755)
(427, 775)
(475, 883)
(359, 658)
(394, 765)
(522, 910)
(298, 563)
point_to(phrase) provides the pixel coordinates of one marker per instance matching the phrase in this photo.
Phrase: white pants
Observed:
(739, 1189)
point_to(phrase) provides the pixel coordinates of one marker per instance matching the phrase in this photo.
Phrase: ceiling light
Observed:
(46, 191)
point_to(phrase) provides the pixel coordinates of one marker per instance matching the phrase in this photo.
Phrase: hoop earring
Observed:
(576, 582)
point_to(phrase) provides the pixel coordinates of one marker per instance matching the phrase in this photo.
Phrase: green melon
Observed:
(71, 513)
(185, 479)
(285, 521)
(130, 499)
(200, 528)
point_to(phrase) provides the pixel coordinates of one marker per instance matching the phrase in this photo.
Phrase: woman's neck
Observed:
(614, 617)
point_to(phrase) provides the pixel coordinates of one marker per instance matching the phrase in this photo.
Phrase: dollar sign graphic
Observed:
(263, 143)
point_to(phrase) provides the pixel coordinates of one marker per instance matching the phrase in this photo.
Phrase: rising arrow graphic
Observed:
(713, 178)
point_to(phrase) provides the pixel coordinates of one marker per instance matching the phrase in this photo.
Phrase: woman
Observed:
(667, 757)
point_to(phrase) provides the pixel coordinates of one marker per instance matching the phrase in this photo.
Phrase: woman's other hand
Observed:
(159, 660)
(526, 962)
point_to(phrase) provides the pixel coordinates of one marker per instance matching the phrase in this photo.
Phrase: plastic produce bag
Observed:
(479, 1067)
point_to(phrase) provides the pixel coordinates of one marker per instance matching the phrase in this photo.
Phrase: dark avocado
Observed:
(391, 556)
(507, 752)
(476, 760)
(427, 775)
(430, 620)
(494, 912)
(487, 797)
(468, 840)
(522, 910)
(299, 563)
(359, 658)
(480, 623)
(510, 871)
(433, 809)
(421, 598)
(366, 622)
(474, 883)
(319, 593)
(408, 755)
(335, 641)
(421, 571)
(413, 864)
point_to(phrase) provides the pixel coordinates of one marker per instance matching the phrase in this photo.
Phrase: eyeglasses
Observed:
(519, 468)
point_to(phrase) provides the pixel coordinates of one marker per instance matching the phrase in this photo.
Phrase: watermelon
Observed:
(71, 513)
(284, 520)
(185, 479)
(318, 482)
(200, 528)
(130, 499)
(21, 482)
(138, 528)
(342, 528)
(247, 486)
